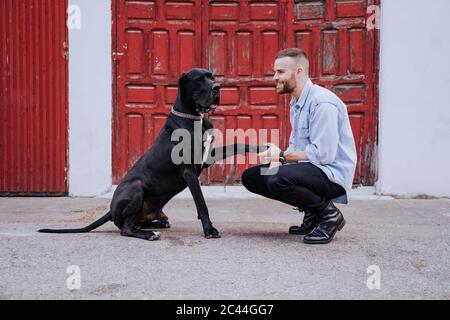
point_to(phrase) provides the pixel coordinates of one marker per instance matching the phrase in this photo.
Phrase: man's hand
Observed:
(271, 155)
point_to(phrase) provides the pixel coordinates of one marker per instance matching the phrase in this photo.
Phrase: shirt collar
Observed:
(305, 93)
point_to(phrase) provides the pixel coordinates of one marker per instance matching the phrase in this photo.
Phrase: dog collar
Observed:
(186, 115)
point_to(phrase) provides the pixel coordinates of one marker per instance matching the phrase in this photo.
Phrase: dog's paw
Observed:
(153, 236)
(257, 149)
(262, 148)
(212, 233)
(157, 224)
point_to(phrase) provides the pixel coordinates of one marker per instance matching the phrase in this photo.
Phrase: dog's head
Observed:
(199, 90)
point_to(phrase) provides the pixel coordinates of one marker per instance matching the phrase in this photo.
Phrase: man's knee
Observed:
(276, 183)
(247, 177)
(250, 178)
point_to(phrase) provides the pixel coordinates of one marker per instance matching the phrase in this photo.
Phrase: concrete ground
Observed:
(408, 240)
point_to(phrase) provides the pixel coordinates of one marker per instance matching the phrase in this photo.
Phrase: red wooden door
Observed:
(33, 97)
(343, 55)
(241, 41)
(238, 40)
(155, 42)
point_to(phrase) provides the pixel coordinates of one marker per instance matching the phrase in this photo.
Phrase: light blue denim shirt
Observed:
(321, 128)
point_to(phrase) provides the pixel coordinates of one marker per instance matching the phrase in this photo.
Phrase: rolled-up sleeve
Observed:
(324, 134)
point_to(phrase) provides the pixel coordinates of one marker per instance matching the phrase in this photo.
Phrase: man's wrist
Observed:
(281, 157)
(296, 156)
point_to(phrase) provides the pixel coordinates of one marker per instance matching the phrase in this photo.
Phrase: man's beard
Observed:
(287, 88)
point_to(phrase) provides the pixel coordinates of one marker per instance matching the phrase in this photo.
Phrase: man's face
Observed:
(285, 75)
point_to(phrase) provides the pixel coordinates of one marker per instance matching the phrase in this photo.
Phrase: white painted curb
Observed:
(239, 192)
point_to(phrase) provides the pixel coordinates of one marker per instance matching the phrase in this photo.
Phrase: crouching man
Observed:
(318, 167)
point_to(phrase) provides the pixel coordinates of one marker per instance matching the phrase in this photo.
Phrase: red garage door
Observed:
(33, 97)
(157, 40)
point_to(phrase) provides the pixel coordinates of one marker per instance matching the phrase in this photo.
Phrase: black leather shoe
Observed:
(330, 221)
(309, 223)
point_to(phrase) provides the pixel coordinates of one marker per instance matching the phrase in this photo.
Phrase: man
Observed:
(319, 164)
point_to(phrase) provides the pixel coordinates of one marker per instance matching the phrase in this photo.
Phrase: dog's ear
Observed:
(182, 79)
(182, 86)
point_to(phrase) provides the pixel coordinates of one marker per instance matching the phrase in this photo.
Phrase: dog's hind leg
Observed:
(153, 216)
(132, 214)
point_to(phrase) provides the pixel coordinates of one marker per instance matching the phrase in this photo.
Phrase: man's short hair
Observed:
(293, 53)
(297, 54)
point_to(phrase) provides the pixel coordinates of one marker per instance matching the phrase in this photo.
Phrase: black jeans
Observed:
(301, 185)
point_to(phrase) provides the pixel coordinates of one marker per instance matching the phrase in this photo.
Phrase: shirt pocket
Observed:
(303, 125)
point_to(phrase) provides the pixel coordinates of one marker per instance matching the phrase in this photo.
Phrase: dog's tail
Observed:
(107, 217)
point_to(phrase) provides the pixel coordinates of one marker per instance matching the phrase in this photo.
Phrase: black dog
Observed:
(155, 178)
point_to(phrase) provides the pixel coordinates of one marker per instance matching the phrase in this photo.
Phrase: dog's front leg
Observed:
(191, 178)
(221, 153)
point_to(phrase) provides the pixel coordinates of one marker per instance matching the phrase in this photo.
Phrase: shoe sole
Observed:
(301, 233)
(341, 226)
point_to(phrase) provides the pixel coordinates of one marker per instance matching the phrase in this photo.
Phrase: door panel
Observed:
(343, 53)
(242, 39)
(156, 42)
(33, 97)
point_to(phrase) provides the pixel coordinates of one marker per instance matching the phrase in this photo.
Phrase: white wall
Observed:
(90, 99)
(414, 123)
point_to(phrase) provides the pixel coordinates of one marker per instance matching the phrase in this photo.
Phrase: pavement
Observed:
(389, 249)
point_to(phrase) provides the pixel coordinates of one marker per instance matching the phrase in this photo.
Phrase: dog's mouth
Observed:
(209, 107)
(214, 105)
